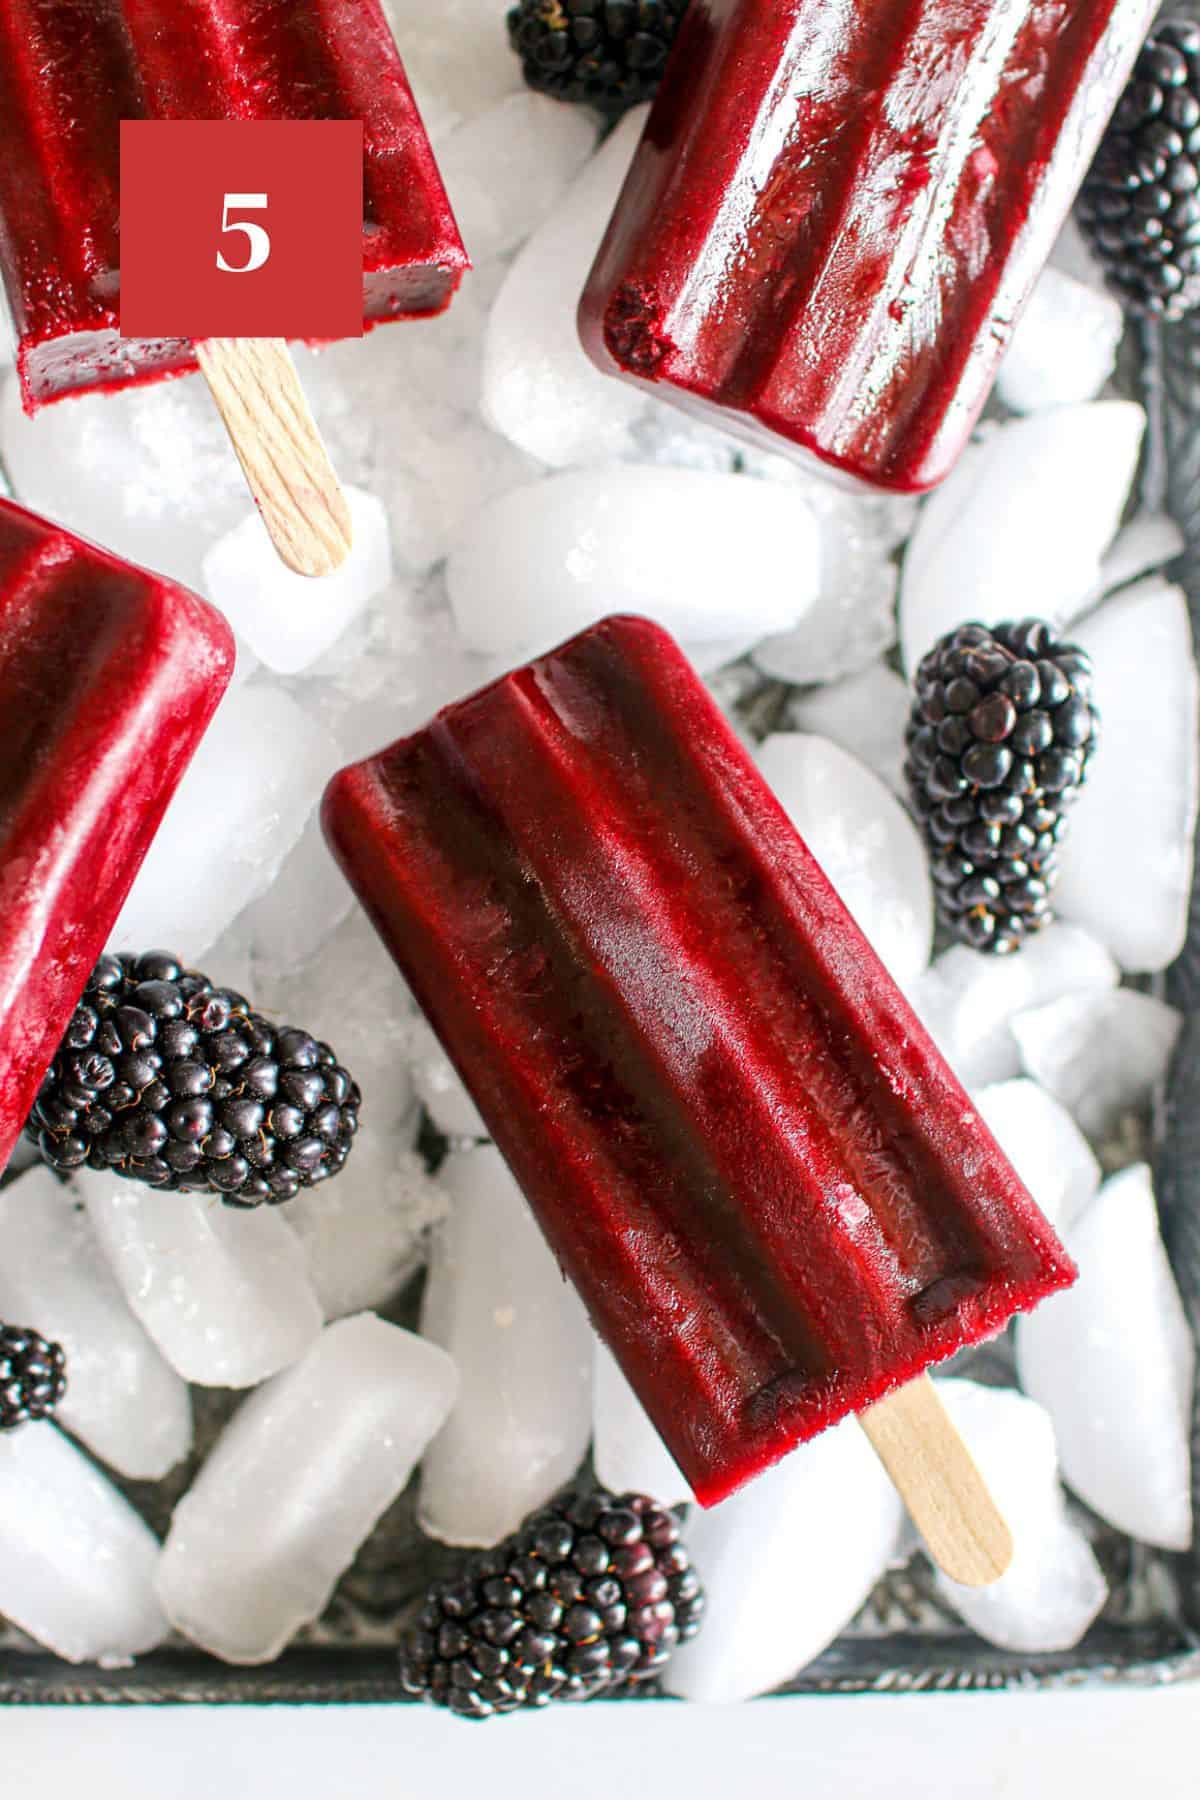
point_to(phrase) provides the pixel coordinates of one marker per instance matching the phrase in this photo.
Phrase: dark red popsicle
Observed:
(71, 70)
(108, 679)
(775, 1198)
(837, 212)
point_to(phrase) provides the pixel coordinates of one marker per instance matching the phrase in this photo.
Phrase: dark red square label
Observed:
(241, 229)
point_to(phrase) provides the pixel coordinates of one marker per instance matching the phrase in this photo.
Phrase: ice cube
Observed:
(1064, 347)
(366, 1233)
(181, 486)
(223, 1292)
(734, 685)
(1021, 523)
(853, 619)
(439, 1087)
(1112, 1360)
(297, 1481)
(864, 841)
(508, 168)
(123, 1400)
(246, 662)
(410, 666)
(498, 1303)
(438, 477)
(397, 387)
(239, 809)
(1053, 1589)
(865, 713)
(352, 997)
(1127, 863)
(786, 1563)
(76, 1562)
(884, 521)
(664, 433)
(628, 1454)
(539, 387)
(349, 428)
(1044, 1145)
(1147, 543)
(230, 960)
(456, 55)
(303, 906)
(709, 658)
(1073, 256)
(841, 634)
(708, 556)
(343, 661)
(967, 1000)
(290, 620)
(25, 1156)
(1102, 1055)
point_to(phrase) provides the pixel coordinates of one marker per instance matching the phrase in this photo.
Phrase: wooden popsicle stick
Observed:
(258, 394)
(934, 1474)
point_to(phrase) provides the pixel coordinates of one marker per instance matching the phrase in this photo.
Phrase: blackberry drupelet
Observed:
(591, 1594)
(999, 739)
(605, 53)
(166, 1079)
(33, 1377)
(1140, 205)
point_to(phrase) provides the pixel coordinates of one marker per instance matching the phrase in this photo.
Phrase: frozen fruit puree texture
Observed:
(774, 1197)
(108, 678)
(837, 212)
(71, 70)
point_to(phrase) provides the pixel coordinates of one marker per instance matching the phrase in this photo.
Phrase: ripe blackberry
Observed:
(591, 1594)
(33, 1377)
(999, 739)
(1140, 205)
(169, 1080)
(605, 53)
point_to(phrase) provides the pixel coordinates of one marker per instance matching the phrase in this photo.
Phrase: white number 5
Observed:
(256, 235)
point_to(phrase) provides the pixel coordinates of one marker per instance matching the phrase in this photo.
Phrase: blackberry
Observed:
(999, 740)
(33, 1377)
(1140, 204)
(166, 1079)
(605, 53)
(591, 1594)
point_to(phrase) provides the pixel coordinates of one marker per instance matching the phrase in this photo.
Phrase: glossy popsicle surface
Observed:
(776, 1201)
(837, 212)
(108, 679)
(71, 70)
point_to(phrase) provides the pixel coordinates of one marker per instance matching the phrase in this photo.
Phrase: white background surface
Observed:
(1092, 1745)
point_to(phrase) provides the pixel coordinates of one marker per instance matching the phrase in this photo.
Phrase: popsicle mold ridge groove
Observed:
(71, 70)
(775, 1198)
(837, 212)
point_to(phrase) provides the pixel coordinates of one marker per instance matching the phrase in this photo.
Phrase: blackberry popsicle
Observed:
(777, 1202)
(837, 213)
(70, 72)
(108, 679)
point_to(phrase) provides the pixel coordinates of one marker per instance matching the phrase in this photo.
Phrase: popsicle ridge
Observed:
(661, 1007)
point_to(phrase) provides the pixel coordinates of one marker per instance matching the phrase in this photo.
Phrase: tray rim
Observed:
(369, 1677)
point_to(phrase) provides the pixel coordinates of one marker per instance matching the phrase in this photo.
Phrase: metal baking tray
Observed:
(904, 1640)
